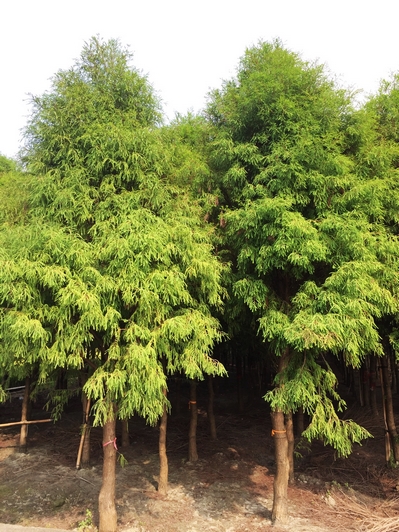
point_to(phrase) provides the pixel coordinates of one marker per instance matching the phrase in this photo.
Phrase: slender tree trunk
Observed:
(106, 500)
(279, 433)
(387, 437)
(87, 431)
(357, 382)
(392, 370)
(300, 422)
(163, 457)
(83, 458)
(125, 434)
(192, 435)
(280, 486)
(389, 412)
(289, 427)
(211, 414)
(373, 386)
(366, 382)
(23, 435)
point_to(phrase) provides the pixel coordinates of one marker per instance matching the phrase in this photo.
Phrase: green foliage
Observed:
(307, 217)
(307, 384)
(7, 165)
(113, 269)
(87, 525)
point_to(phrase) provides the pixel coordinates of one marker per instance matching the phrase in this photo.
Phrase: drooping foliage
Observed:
(113, 272)
(311, 263)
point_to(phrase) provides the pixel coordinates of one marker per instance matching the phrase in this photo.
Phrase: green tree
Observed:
(114, 268)
(6, 164)
(377, 194)
(309, 265)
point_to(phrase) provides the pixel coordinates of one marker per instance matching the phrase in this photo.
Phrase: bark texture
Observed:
(106, 500)
(23, 435)
(388, 408)
(289, 427)
(163, 457)
(85, 460)
(280, 486)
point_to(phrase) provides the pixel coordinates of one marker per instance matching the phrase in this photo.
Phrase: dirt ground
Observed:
(229, 489)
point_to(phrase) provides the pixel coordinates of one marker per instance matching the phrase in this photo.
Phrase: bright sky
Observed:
(187, 47)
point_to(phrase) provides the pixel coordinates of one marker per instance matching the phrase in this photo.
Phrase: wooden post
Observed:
(85, 429)
(32, 422)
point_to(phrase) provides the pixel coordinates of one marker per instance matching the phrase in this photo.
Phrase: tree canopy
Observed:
(113, 269)
(309, 262)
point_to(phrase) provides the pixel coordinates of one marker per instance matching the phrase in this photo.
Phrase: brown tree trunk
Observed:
(289, 427)
(125, 434)
(373, 385)
(392, 369)
(86, 421)
(366, 382)
(388, 405)
(23, 435)
(83, 458)
(106, 499)
(163, 457)
(300, 422)
(357, 383)
(211, 414)
(192, 435)
(280, 486)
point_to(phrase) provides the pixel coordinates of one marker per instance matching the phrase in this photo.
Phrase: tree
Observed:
(7, 165)
(308, 263)
(114, 268)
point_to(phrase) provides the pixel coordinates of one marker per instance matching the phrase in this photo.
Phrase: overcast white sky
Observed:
(187, 47)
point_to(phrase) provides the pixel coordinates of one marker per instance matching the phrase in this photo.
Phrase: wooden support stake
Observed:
(83, 436)
(25, 422)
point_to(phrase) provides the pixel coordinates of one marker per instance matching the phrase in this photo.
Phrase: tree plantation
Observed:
(256, 242)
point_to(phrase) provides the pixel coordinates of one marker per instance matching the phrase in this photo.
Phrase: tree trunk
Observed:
(392, 369)
(280, 486)
(211, 414)
(23, 435)
(289, 426)
(106, 500)
(373, 386)
(86, 420)
(125, 434)
(300, 422)
(366, 382)
(163, 457)
(83, 458)
(388, 404)
(192, 435)
(357, 384)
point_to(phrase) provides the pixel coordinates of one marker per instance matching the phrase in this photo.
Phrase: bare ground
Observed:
(229, 489)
